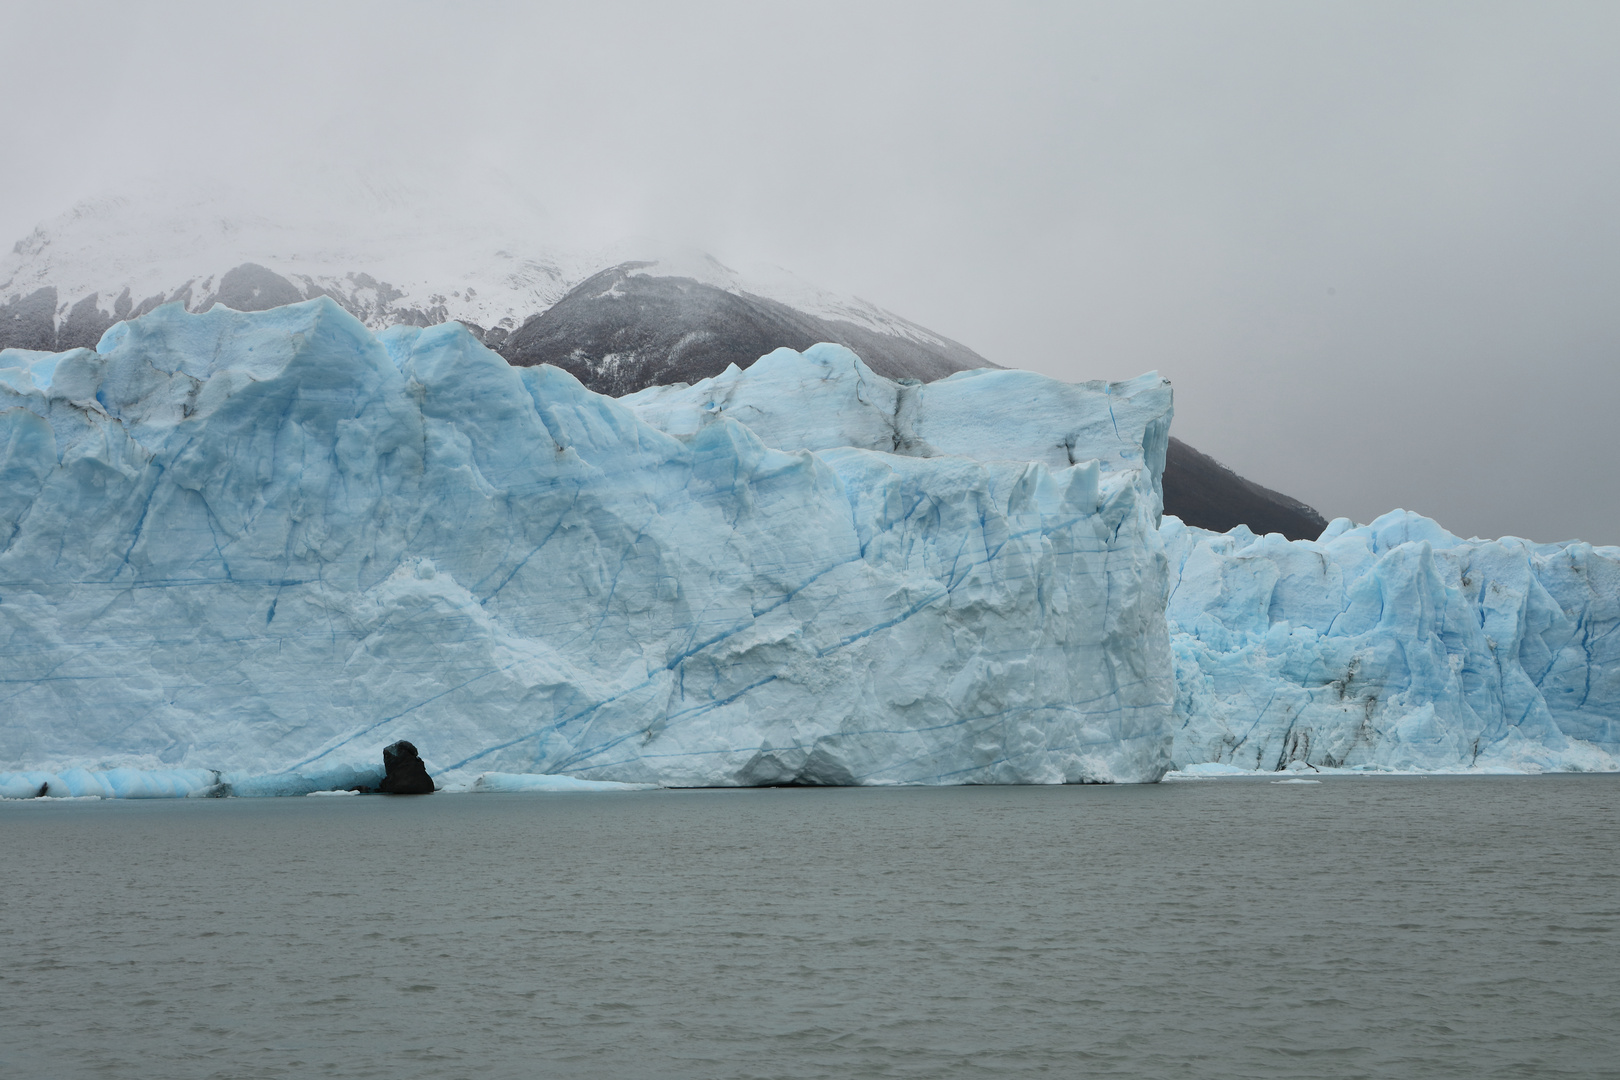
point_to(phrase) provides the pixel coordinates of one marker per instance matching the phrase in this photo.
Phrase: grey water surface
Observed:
(1400, 927)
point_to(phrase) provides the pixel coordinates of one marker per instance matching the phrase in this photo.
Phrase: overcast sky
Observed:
(1376, 246)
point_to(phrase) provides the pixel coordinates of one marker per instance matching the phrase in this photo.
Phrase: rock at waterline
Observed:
(406, 773)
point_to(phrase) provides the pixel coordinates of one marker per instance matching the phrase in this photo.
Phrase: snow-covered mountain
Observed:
(62, 285)
(638, 324)
(107, 260)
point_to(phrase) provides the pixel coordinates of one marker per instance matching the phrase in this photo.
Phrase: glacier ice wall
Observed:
(263, 546)
(1361, 648)
(1394, 644)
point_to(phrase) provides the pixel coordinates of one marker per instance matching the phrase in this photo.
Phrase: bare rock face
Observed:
(1201, 491)
(623, 330)
(406, 773)
(29, 322)
(85, 324)
(251, 287)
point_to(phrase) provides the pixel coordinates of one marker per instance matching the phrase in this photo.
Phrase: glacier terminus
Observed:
(241, 553)
(246, 551)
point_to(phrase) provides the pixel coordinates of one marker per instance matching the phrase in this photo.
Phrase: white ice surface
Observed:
(254, 549)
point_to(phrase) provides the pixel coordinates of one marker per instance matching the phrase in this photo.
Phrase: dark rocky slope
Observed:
(1201, 491)
(621, 331)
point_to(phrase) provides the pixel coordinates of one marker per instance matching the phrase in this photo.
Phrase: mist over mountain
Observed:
(110, 259)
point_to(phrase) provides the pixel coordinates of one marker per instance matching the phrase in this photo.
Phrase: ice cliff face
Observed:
(1394, 644)
(245, 552)
(273, 543)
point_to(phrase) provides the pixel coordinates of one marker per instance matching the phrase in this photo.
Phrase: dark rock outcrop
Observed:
(1201, 491)
(29, 322)
(251, 287)
(406, 774)
(84, 325)
(621, 331)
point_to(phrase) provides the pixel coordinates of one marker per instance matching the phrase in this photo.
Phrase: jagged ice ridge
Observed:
(1394, 645)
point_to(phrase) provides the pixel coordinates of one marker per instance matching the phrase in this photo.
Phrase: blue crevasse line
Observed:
(525, 560)
(613, 586)
(556, 725)
(902, 617)
(599, 748)
(755, 614)
(1261, 715)
(146, 506)
(676, 717)
(405, 712)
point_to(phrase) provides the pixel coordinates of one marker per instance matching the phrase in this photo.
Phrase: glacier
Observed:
(240, 553)
(1394, 645)
(1390, 646)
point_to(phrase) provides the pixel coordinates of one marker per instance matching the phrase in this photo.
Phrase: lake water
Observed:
(1399, 927)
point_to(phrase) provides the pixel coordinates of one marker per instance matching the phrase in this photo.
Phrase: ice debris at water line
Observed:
(240, 554)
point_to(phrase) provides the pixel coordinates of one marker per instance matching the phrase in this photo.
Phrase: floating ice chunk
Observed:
(1207, 769)
(332, 780)
(123, 783)
(523, 782)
